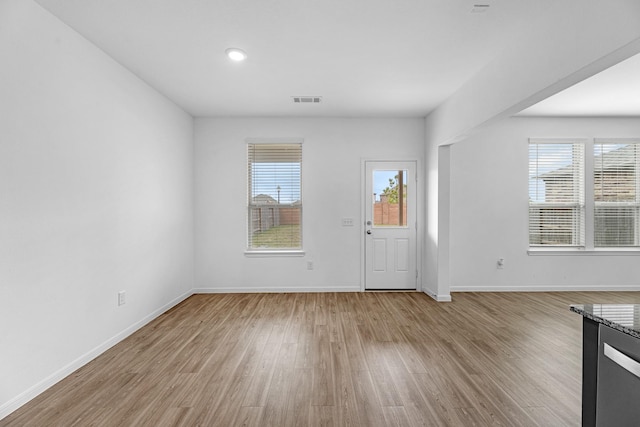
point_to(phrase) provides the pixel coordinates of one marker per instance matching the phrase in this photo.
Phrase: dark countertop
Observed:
(623, 317)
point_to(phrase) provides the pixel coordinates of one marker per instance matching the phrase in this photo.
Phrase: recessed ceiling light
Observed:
(236, 54)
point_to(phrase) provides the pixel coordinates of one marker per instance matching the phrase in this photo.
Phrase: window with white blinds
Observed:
(616, 195)
(275, 196)
(556, 193)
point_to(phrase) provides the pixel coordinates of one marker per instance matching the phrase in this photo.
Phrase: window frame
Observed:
(590, 204)
(578, 206)
(619, 204)
(271, 251)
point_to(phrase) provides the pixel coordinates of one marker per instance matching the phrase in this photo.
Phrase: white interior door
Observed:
(390, 230)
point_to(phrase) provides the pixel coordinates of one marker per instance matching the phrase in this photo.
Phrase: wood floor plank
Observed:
(280, 386)
(417, 408)
(498, 403)
(334, 359)
(172, 417)
(345, 396)
(437, 399)
(380, 375)
(354, 338)
(323, 416)
(367, 401)
(395, 416)
(471, 417)
(323, 390)
(259, 387)
(275, 410)
(305, 355)
(227, 412)
(249, 416)
(299, 399)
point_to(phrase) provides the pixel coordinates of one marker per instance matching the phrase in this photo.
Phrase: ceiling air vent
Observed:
(480, 8)
(306, 99)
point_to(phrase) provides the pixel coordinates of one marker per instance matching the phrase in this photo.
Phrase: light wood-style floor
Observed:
(341, 359)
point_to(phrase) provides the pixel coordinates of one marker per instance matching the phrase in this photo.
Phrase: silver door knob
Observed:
(368, 231)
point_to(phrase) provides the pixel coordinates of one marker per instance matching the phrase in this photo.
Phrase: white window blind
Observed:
(275, 196)
(556, 193)
(616, 196)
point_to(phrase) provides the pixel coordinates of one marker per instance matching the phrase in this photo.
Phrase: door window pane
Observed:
(390, 198)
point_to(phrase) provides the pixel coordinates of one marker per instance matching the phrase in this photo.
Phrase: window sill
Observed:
(274, 254)
(582, 252)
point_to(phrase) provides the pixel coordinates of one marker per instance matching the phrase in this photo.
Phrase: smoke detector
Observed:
(306, 99)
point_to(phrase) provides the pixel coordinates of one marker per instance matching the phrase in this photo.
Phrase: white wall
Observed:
(95, 197)
(576, 39)
(489, 213)
(332, 153)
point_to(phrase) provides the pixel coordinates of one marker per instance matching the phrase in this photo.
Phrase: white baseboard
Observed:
(439, 298)
(547, 288)
(24, 397)
(244, 290)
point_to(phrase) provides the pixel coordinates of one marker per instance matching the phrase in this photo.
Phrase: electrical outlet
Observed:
(121, 298)
(500, 263)
(309, 265)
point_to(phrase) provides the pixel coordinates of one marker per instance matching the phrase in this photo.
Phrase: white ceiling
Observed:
(613, 92)
(398, 58)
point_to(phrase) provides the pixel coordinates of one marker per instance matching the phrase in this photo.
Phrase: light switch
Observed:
(347, 222)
